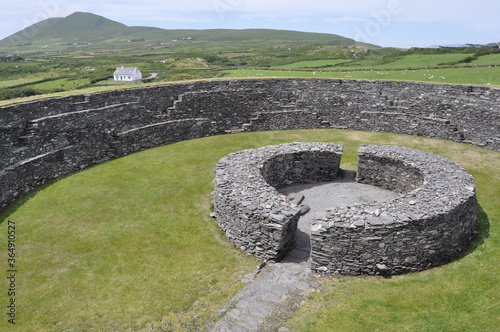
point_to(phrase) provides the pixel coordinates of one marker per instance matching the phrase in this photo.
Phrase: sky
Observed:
(388, 23)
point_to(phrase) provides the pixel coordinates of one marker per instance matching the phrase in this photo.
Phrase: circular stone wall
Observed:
(45, 139)
(430, 223)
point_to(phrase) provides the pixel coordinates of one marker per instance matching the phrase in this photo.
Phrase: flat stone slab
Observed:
(269, 300)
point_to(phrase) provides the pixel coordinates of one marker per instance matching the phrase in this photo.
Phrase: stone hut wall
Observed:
(70, 133)
(430, 224)
(254, 216)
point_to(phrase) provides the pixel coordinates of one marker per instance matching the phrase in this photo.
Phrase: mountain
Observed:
(82, 27)
(90, 28)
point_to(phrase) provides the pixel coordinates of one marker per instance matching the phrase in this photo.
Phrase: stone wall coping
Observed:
(446, 184)
(239, 175)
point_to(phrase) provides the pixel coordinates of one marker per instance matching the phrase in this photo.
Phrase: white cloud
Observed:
(180, 18)
(301, 19)
(476, 17)
(346, 19)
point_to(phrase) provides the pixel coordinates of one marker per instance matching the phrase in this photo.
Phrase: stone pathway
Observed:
(267, 302)
(275, 291)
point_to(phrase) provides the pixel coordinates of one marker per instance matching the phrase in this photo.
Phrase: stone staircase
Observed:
(249, 126)
(26, 138)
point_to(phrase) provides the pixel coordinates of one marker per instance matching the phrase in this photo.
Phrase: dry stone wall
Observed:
(254, 216)
(70, 133)
(431, 223)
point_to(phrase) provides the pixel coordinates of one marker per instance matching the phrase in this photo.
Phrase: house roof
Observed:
(125, 70)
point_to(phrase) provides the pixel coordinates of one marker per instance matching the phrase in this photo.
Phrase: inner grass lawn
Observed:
(129, 246)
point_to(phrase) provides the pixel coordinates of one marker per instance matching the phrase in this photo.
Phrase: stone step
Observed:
(20, 149)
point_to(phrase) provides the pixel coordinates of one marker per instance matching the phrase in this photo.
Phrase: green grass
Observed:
(314, 64)
(424, 60)
(488, 59)
(26, 80)
(133, 248)
(60, 84)
(470, 75)
(461, 296)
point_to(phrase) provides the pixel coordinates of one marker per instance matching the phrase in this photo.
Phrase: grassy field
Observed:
(133, 248)
(70, 68)
(488, 59)
(473, 75)
(62, 84)
(314, 64)
(424, 60)
(33, 79)
(410, 61)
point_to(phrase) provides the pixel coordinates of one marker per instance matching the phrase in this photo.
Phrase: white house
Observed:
(127, 74)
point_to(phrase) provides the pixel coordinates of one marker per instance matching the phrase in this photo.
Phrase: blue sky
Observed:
(398, 23)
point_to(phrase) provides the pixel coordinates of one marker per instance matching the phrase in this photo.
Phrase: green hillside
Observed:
(77, 27)
(84, 28)
(82, 50)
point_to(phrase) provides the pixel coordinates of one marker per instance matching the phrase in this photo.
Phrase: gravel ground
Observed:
(319, 197)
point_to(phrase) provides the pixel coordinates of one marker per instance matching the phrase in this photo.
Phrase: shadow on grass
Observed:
(14, 206)
(482, 231)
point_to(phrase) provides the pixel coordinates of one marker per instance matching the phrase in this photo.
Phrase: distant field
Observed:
(63, 84)
(424, 60)
(488, 59)
(473, 75)
(314, 64)
(19, 81)
(410, 61)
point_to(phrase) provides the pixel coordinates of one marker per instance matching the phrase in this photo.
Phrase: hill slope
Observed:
(82, 27)
(90, 28)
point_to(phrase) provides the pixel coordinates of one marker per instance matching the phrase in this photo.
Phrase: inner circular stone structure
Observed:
(430, 222)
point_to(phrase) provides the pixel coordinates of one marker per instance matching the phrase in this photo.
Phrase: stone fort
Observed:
(43, 140)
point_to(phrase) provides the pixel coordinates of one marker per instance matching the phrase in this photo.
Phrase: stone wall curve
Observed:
(45, 139)
(249, 209)
(431, 223)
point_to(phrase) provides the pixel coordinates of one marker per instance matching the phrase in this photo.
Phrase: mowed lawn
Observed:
(129, 246)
